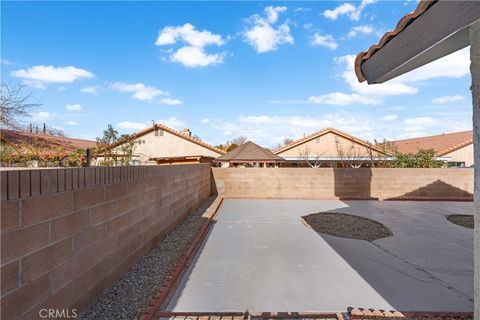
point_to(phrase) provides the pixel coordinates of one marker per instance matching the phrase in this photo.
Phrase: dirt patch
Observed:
(347, 226)
(464, 220)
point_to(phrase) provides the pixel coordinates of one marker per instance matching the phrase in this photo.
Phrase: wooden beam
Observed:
(439, 31)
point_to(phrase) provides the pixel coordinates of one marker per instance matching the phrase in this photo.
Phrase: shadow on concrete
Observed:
(402, 282)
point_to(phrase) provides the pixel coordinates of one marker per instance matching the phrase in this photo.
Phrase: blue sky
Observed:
(264, 70)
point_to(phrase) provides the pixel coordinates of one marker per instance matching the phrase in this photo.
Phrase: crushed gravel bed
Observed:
(464, 220)
(347, 226)
(130, 296)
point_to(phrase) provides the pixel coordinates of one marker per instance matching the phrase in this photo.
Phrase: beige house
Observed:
(331, 148)
(455, 148)
(159, 142)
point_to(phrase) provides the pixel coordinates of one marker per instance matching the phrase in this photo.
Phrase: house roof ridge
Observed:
(170, 130)
(324, 131)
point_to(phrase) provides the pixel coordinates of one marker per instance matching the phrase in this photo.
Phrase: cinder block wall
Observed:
(68, 234)
(330, 183)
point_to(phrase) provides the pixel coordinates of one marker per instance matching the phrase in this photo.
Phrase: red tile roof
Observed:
(250, 152)
(422, 6)
(47, 143)
(442, 143)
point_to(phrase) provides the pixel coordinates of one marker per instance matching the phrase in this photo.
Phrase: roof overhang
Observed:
(434, 30)
(313, 158)
(249, 161)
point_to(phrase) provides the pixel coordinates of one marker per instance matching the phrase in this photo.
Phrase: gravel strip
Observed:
(347, 226)
(130, 296)
(464, 220)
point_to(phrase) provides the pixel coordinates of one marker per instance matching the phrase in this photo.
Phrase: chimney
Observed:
(186, 132)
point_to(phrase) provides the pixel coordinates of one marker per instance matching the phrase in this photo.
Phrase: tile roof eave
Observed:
(323, 132)
(169, 130)
(406, 20)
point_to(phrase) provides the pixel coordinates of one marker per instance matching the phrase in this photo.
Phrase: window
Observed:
(455, 164)
(158, 133)
(317, 140)
(335, 139)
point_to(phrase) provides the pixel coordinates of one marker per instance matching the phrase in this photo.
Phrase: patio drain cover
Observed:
(464, 220)
(347, 226)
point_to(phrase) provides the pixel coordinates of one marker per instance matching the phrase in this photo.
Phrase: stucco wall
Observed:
(168, 145)
(327, 145)
(68, 234)
(332, 183)
(464, 154)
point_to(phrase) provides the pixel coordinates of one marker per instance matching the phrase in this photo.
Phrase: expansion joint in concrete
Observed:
(428, 274)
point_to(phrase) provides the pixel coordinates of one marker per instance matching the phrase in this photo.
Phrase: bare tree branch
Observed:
(15, 104)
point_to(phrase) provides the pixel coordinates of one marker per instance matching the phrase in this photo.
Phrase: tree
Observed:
(421, 159)
(121, 154)
(15, 104)
(313, 160)
(286, 142)
(231, 147)
(239, 140)
(109, 136)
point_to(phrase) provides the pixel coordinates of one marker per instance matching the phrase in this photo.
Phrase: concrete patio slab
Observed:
(261, 257)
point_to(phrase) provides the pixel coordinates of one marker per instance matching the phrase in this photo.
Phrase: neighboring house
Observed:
(39, 149)
(249, 154)
(331, 148)
(161, 144)
(455, 148)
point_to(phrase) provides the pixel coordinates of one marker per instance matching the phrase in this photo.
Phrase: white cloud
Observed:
(362, 29)
(273, 12)
(172, 122)
(390, 117)
(448, 99)
(91, 89)
(74, 107)
(43, 116)
(343, 99)
(6, 62)
(452, 66)
(302, 9)
(140, 91)
(348, 9)
(269, 130)
(61, 88)
(419, 124)
(131, 125)
(193, 57)
(390, 88)
(325, 41)
(263, 36)
(170, 101)
(71, 123)
(193, 54)
(188, 34)
(205, 120)
(39, 76)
